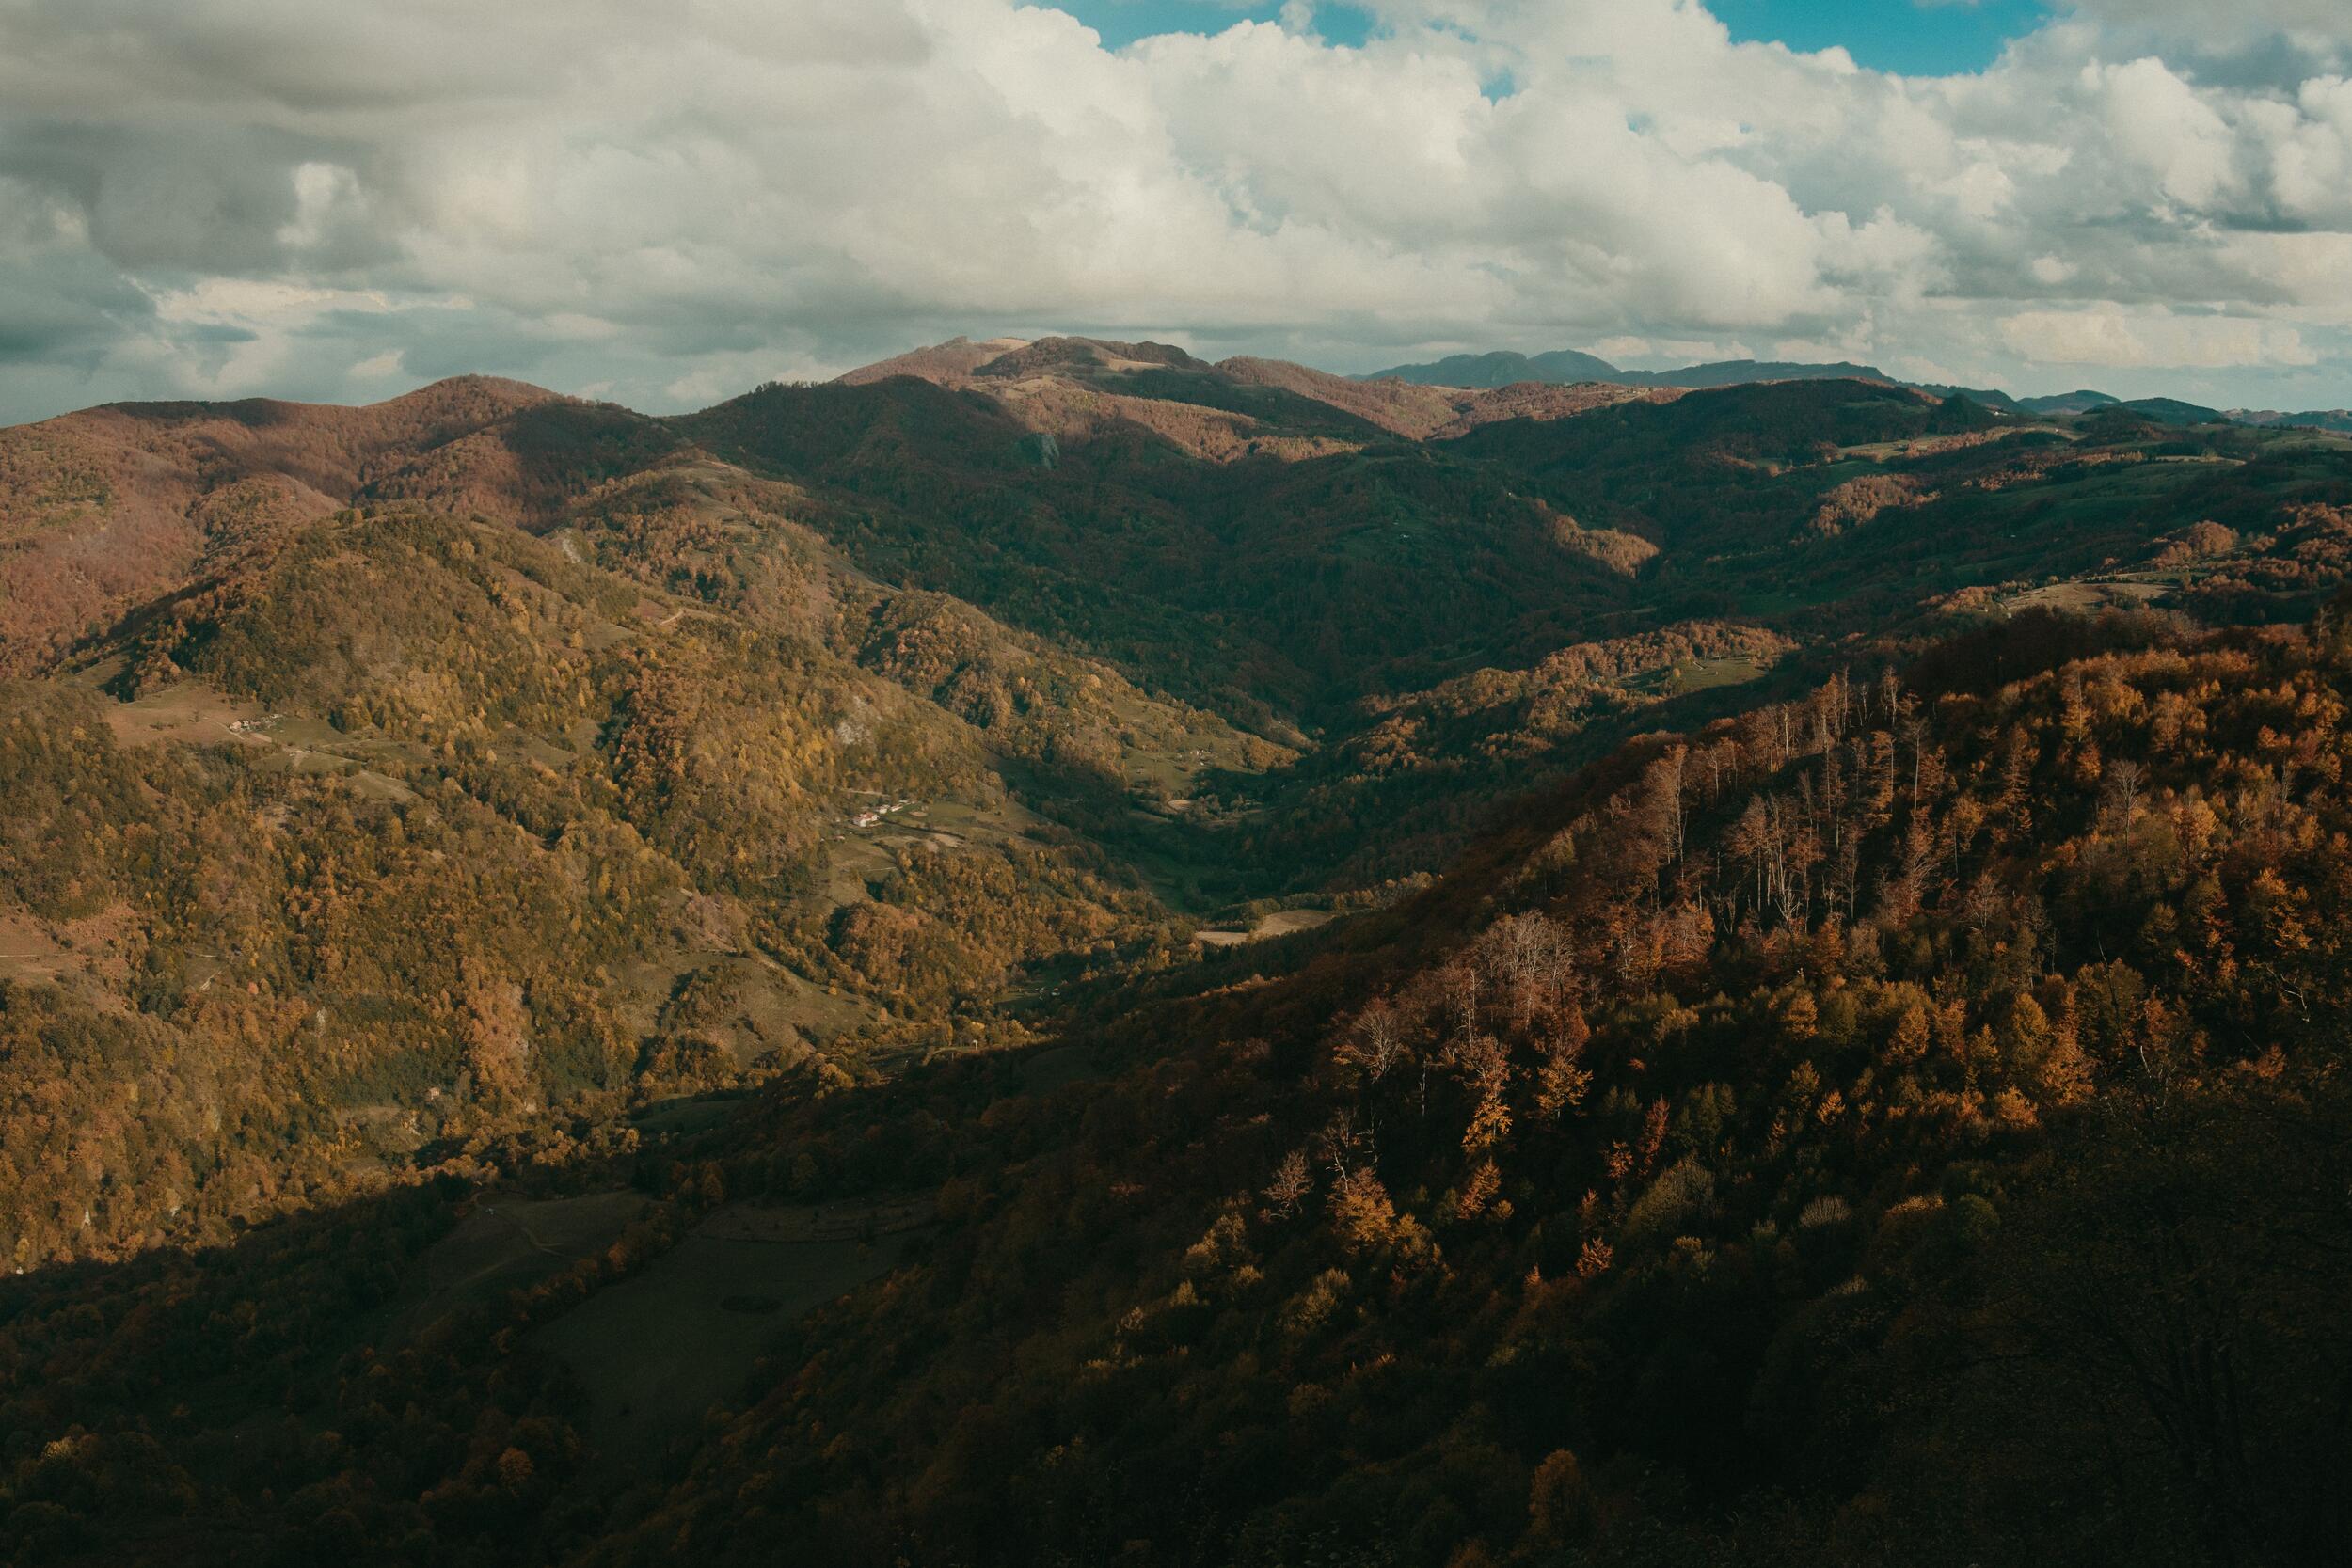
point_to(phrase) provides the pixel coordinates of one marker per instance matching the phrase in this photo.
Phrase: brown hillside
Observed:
(946, 363)
(102, 508)
(1427, 413)
(1398, 406)
(1074, 411)
(1534, 400)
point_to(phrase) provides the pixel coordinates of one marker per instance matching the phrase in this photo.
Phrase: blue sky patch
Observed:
(1122, 22)
(1918, 38)
(1936, 38)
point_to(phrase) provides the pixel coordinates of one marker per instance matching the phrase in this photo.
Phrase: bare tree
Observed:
(2122, 794)
(1291, 1184)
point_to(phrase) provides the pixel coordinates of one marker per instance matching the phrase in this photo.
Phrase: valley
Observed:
(1055, 951)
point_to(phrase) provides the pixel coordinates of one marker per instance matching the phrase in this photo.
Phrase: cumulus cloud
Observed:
(665, 205)
(2308, 20)
(2113, 338)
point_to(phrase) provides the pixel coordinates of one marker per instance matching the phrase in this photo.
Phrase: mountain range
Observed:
(1570, 366)
(1055, 953)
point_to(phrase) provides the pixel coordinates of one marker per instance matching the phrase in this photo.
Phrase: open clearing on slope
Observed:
(31, 954)
(191, 713)
(1056, 1068)
(187, 711)
(2084, 598)
(858, 857)
(773, 1011)
(655, 1351)
(85, 956)
(1698, 674)
(1930, 446)
(1281, 923)
(508, 1245)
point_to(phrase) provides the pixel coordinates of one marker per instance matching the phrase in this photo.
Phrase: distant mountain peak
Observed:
(1087, 355)
(953, 360)
(2337, 419)
(961, 359)
(1504, 368)
(1568, 367)
(2081, 402)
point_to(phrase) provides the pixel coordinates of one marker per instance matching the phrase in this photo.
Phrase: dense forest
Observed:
(1055, 953)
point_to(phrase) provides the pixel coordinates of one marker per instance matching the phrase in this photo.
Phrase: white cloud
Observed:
(2112, 338)
(2315, 19)
(2157, 122)
(207, 196)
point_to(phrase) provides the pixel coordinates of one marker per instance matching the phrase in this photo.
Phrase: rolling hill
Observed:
(1568, 366)
(1056, 953)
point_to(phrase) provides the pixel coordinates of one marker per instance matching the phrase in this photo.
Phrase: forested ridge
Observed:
(1060, 954)
(1886, 1126)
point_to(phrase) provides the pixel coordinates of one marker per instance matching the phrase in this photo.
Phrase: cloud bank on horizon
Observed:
(666, 205)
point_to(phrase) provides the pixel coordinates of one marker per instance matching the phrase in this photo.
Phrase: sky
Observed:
(1932, 39)
(667, 205)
